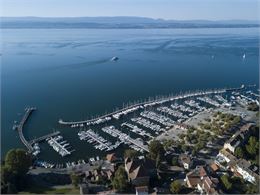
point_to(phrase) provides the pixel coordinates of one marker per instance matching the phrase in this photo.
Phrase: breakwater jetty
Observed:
(152, 101)
(20, 127)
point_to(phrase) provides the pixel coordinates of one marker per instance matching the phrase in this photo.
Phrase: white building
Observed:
(243, 168)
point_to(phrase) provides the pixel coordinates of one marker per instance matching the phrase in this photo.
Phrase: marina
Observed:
(136, 130)
(124, 138)
(59, 145)
(99, 142)
(140, 105)
(183, 108)
(194, 104)
(158, 118)
(135, 126)
(146, 123)
(209, 101)
(223, 101)
(172, 112)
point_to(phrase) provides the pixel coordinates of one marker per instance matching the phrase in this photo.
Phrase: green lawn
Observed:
(46, 190)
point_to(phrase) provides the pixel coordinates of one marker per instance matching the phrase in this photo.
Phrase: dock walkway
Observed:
(44, 137)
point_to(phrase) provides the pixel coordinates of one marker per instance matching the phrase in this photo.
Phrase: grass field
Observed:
(47, 190)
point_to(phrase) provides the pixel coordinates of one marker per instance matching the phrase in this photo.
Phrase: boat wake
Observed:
(78, 65)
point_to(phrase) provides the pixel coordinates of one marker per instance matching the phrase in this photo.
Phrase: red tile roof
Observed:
(214, 166)
(111, 157)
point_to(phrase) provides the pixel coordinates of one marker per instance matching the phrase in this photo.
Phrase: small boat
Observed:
(244, 56)
(115, 58)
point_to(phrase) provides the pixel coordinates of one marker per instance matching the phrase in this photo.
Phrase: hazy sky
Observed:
(167, 9)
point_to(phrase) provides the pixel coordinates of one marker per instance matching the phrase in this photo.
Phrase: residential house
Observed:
(208, 185)
(229, 159)
(111, 157)
(200, 180)
(194, 176)
(97, 174)
(185, 161)
(214, 167)
(240, 167)
(246, 171)
(139, 171)
(238, 138)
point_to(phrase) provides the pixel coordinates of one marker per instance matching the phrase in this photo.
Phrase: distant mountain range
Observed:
(119, 22)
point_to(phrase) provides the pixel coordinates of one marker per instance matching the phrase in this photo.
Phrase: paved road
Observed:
(77, 168)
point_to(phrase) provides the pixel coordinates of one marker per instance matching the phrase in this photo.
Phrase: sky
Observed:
(165, 9)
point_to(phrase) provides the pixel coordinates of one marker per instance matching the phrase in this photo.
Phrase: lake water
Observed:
(68, 73)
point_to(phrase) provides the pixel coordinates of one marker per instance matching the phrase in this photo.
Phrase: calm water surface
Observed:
(67, 73)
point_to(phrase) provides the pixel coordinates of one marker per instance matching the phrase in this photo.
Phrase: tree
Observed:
(239, 152)
(158, 161)
(175, 161)
(168, 144)
(102, 180)
(225, 181)
(130, 153)
(184, 148)
(255, 131)
(120, 182)
(18, 161)
(13, 172)
(252, 146)
(156, 149)
(253, 106)
(175, 187)
(181, 136)
(11, 189)
(194, 152)
(207, 126)
(6, 175)
(238, 184)
(236, 120)
(257, 160)
(208, 119)
(201, 144)
(252, 189)
(75, 179)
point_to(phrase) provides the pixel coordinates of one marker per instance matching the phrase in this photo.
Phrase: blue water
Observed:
(67, 73)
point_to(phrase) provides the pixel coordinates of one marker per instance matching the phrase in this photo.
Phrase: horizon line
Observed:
(258, 19)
